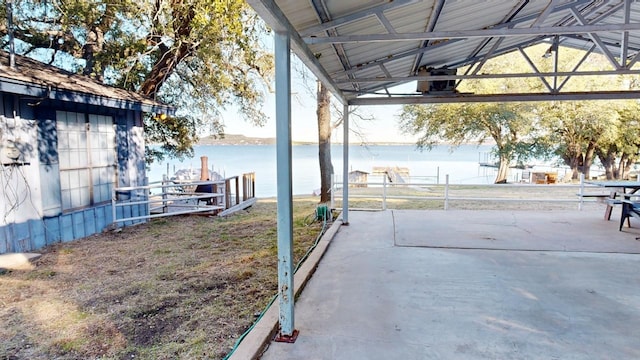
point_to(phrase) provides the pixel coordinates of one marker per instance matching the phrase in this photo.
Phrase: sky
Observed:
(304, 128)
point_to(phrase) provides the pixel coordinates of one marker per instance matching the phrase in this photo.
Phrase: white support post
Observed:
(113, 205)
(345, 166)
(165, 181)
(333, 188)
(384, 192)
(581, 192)
(446, 192)
(284, 198)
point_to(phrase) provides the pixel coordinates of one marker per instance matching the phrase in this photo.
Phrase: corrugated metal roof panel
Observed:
(377, 59)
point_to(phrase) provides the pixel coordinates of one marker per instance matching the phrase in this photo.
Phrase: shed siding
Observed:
(41, 220)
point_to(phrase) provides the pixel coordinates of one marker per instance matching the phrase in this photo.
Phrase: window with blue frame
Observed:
(87, 158)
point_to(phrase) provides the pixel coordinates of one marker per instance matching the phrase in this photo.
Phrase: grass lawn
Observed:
(182, 287)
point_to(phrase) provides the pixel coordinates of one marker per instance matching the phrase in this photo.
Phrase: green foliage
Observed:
(200, 56)
(176, 136)
(575, 132)
(503, 123)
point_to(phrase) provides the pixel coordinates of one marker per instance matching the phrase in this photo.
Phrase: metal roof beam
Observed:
(385, 70)
(387, 59)
(432, 23)
(322, 12)
(624, 42)
(634, 60)
(614, 9)
(492, 76)
(273, 16)
(487, 56)
(461, 34)
(575, 68)
(510, 23)
(354, 17)
(545, 13)
(596, 39)
(535, 69)
(386, 23)
(531, 17)
(433, 20)
(473, 98)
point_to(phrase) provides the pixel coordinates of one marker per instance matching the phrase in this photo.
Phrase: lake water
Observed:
(461, 164)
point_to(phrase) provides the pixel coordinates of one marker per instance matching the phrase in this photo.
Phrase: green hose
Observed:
(322, 213)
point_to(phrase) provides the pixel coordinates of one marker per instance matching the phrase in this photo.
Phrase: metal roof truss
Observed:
(371, 57)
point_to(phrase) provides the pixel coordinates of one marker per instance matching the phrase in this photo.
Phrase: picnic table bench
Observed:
(611, 199)
(622, 195)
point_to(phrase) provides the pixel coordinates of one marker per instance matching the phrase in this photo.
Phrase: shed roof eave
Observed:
(43, 92)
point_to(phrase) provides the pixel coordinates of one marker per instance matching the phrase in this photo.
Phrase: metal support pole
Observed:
(581, 192)
(333, 188)
(285, 200)
(446, 192)
(165, 181)
(384, 192)
(345, 166)
(113, 205)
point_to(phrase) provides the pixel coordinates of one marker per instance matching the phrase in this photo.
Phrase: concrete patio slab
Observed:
(553, 230)
(372, 299)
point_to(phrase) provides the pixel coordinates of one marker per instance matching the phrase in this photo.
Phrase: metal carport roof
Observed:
(361, 49)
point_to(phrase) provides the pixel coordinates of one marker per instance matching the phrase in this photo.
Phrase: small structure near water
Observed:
(358, 178)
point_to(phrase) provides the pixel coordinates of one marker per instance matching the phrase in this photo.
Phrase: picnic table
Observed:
(623, 188)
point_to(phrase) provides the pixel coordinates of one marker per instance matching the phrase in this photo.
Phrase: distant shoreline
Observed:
(234, 139)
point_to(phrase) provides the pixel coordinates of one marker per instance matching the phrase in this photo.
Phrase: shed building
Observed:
(358, 178)
(65, 142)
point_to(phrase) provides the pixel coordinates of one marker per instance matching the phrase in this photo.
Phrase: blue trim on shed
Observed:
(38, 239)
(52, 230)
(66, 227)
(89, 221)
(38, 233)
(21, 237)
(4, 240)
(78, 224)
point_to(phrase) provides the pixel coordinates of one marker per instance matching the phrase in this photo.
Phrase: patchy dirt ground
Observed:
(174, 288)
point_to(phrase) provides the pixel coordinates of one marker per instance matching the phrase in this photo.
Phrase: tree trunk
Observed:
(503, 168)
(162, 70)
(573, 162)
(324, 141)
(608, 161)
(170, 57)
(93, 47)
(588, 160)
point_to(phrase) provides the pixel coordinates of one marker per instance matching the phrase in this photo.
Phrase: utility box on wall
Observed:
(436, 86)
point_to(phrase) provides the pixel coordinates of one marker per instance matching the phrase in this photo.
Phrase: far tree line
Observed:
(577, 133)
